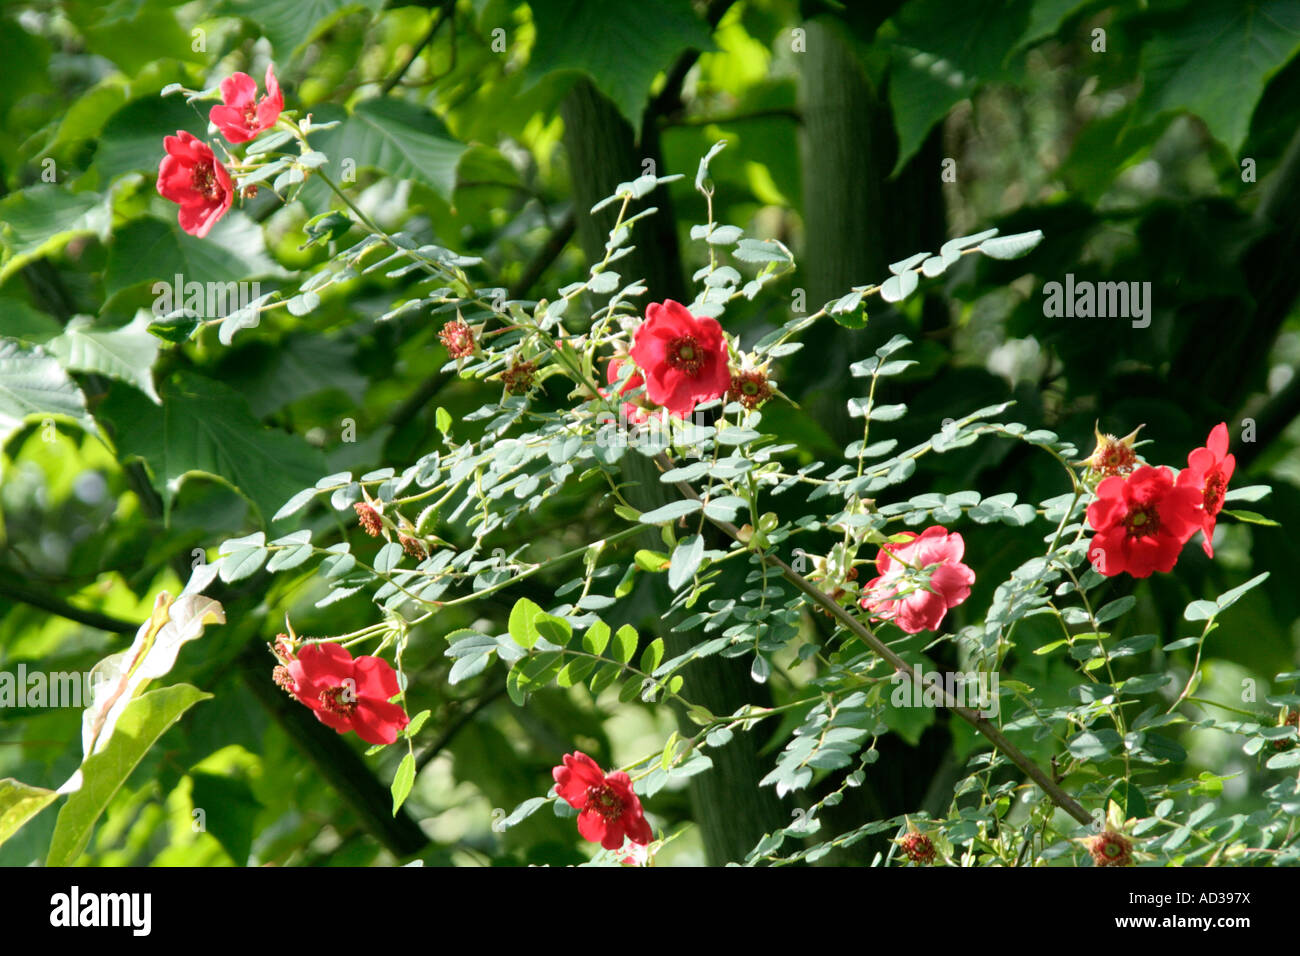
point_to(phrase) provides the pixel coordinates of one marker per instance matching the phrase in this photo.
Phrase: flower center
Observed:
(1142, 522)
(250, 115)
(204, 180)
(684, 355)
(604, 801)
(339, 700)
(1113, 850)
(1214, 493)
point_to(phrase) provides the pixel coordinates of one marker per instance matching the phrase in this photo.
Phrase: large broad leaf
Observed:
(1047, 16)
(19, 803)
(33, 383)
(289, 24)
(941, 55)
(120, 678)
(230, 812)
(272, 376)
(85, 116)
(41, 220)
(621, 44)
(29, 52)
(151, 250)
(125, 353)
(205, 428)
(18, 320)
(146, 719)
(132, 34)
(399, 138)
(1187, 60)
(132, 139)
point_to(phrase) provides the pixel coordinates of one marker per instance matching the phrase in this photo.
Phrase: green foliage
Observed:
(205, 429)
(19, 803)
(620, 45)
(514, 530)
(43, 219)
(1250, 43)
(397, 138)
(145, 720)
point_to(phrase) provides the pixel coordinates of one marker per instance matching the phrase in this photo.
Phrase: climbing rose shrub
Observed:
(660, 406)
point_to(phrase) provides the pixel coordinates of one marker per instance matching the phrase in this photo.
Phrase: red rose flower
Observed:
(349, 694)
(919, 580)
(191, 175)
(1142, 522)
(683, 356)
(609, 808)
(634, 414)
(241, 116)
(1208, 471)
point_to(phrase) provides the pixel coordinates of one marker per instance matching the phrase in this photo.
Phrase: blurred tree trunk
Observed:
(731, 809)
(856, 221)
(842, 210)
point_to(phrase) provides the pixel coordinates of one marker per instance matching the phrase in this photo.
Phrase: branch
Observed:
(547, 254)
(669, 100)
(455, 727)
(417, 400)
(47, 602)
(447, 11)
(1271, 420)
(863, 633)
(780, 112)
